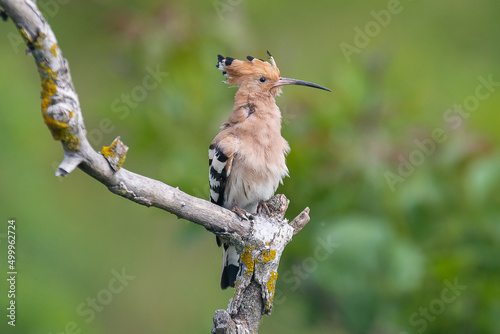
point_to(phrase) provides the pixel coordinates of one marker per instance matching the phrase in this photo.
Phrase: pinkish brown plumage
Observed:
(247, 157)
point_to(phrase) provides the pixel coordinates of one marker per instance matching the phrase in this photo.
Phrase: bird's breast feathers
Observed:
(248, 162)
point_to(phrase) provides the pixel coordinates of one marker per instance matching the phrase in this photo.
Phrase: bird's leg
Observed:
(263, 207)
(241, 213)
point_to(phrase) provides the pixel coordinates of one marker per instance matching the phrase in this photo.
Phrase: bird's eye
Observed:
(262, 79)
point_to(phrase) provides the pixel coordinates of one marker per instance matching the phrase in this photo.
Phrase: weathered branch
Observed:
(260, 240)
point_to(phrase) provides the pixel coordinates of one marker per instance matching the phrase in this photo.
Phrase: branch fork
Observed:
(260, 251)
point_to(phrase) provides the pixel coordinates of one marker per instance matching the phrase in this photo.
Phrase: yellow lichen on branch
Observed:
(59, 130)
(25, 36)
(115, 154)
(248, 260)
(268, 255)
(271, 286)
(53, 50)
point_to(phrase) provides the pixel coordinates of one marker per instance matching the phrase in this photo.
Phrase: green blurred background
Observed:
(415, 251)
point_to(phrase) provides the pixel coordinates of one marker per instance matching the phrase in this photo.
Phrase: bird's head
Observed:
(257, 75)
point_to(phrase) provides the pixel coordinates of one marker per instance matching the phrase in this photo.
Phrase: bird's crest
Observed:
(238, 71)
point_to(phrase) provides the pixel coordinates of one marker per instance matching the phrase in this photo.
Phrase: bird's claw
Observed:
(263, 207)
(241, 213)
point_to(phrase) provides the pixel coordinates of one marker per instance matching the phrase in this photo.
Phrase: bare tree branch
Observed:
(260, 240)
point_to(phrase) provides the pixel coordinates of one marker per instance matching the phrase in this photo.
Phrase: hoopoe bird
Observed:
(247, 157)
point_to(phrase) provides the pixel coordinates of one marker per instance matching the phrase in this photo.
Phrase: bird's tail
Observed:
(230, 265)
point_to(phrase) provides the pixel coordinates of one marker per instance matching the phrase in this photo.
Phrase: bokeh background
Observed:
(399, 165)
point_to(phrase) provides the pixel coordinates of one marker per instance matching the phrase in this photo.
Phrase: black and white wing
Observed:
(219, 170)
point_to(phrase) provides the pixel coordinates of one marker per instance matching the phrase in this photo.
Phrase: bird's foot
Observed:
(241, 213)
(263, 207)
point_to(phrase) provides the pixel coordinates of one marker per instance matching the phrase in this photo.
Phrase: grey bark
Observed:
(259, 239)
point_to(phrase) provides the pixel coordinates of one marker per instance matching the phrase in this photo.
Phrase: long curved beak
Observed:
(288, 81)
